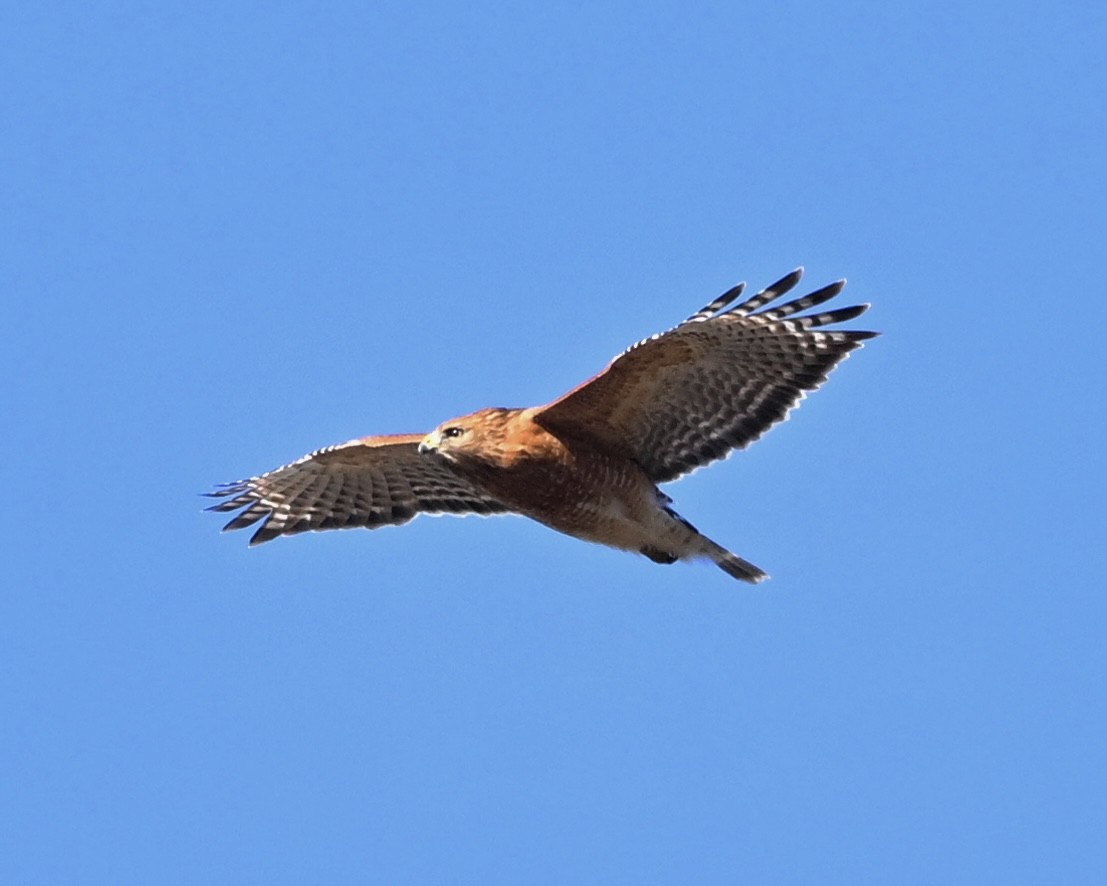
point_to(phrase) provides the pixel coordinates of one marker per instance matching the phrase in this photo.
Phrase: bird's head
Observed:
(471, 436)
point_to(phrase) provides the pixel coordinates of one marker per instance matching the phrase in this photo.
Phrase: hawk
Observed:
(589, 463)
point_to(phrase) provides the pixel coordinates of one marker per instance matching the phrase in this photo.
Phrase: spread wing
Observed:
(370, 482)
(714, 383)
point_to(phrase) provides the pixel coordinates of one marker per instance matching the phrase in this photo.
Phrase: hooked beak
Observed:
(427, 444)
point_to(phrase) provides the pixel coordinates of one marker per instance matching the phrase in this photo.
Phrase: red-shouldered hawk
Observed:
(587, 464)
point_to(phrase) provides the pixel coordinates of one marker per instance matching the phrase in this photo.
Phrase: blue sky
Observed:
(233, 233)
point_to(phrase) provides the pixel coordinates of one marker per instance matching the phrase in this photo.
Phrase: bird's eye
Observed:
(453, 432)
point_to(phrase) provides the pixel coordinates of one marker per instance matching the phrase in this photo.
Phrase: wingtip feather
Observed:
(788, 281)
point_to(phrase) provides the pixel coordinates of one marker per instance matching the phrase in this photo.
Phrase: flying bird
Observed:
(589, 463)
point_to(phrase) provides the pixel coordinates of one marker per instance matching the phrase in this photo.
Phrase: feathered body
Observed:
(573, 487)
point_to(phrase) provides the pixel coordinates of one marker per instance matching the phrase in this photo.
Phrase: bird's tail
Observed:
(731, 564)
(696, 545)
(736, 567)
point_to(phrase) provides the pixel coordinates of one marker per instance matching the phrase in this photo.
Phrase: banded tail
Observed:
(695, 545)
(736, 567)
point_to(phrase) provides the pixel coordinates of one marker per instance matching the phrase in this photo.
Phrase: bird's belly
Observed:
(611, 521)
(596, 499)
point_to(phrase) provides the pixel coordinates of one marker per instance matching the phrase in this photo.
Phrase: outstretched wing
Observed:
(714, 383)
(370, 482)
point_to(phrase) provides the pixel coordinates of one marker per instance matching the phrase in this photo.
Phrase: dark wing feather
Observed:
(714, 383)
(370, 482)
